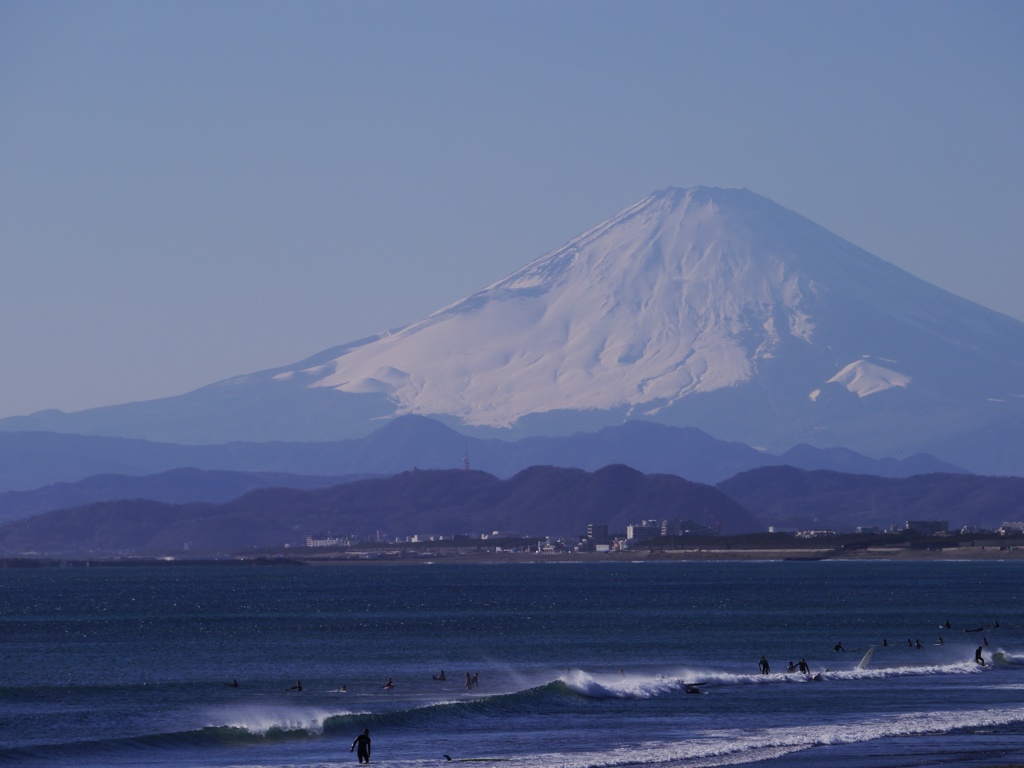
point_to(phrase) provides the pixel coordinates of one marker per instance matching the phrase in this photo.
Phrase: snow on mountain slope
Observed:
(864, 378)
(687, 292)
(666, 299)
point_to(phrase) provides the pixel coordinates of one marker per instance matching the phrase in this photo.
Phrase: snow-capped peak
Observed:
(673, 296)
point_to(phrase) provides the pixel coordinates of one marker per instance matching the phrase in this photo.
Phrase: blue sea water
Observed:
(580, 665)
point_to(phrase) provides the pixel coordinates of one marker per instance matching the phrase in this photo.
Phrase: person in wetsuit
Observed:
(363, 742)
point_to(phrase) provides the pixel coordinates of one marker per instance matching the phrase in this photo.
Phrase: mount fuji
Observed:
(704, 307)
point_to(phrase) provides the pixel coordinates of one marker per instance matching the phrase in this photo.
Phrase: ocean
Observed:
(578, 665)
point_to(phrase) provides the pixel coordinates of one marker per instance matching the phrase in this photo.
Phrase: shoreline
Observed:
(468, 555)
(880, 554)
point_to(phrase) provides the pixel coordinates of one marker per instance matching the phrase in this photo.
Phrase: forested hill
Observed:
(537, 501)
(795, 499)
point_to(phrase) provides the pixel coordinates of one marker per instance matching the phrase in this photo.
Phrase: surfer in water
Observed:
(363, 742)
(296, 687)
(978, 657)
(804, 669)
(387, 686)
(763, 666)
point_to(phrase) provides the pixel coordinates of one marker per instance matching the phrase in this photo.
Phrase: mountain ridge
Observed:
(35, 461)
(174, 486)
(796, 499)
(538, 501)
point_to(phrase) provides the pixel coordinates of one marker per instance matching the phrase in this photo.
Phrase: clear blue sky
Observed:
(194, 190)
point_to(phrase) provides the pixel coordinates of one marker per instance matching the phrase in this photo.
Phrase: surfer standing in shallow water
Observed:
(363, 742)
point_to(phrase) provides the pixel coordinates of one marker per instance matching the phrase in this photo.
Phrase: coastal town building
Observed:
(928, 527)
(643, 531)
(326, 541)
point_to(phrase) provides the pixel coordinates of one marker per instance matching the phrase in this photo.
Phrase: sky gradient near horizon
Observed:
(192, 190)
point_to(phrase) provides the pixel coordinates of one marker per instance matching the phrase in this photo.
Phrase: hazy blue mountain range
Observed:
(48, 469)
(537, 501)
(176, 486)
(708, 308)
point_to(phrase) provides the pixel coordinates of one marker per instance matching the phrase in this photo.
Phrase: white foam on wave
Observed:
(735, 747)
(618, 686)
(645, 686)
(261, 720)
(878, 673)
(1005, 658)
